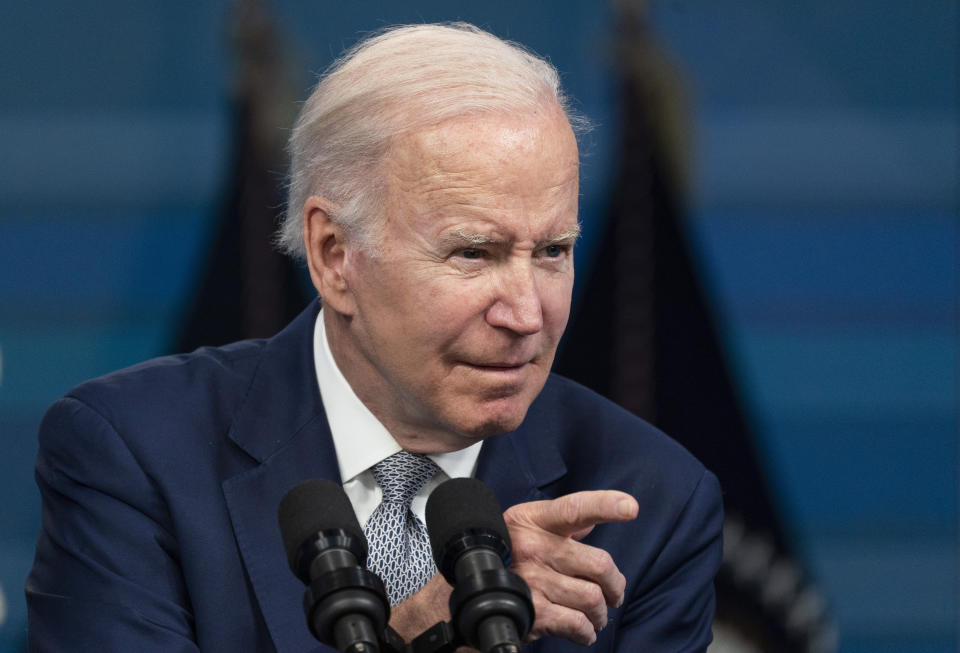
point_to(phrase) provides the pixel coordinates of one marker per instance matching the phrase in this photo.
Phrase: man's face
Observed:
(459, 311)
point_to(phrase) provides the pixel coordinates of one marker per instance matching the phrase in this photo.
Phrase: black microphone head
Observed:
(464, 507)
(310, 508)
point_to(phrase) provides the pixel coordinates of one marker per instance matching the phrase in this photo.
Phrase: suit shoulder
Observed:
(169, 385)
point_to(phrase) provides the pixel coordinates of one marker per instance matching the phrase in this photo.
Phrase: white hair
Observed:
(402, 79)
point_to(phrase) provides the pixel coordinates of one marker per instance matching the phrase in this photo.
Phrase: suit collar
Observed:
(283, 396)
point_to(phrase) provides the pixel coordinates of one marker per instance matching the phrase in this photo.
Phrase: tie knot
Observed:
(402, 475)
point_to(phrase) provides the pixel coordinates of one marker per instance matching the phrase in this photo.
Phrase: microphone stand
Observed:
(492, 610)
(439, 638)
(442, 637)
(346, 607)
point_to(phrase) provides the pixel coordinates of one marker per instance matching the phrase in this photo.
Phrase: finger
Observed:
(574, 593)
(560, 621)
(594, 565)
(570, 558)
(575, 512)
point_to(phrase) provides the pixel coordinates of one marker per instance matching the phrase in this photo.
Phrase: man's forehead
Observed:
(497, 178)
(443, 145)
(508, 134)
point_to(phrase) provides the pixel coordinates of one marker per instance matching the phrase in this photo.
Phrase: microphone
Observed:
(490, 605)
(346, 605)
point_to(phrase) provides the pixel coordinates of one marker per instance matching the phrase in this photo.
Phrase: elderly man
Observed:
(433, 197)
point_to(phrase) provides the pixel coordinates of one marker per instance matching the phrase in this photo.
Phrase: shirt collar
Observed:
(359, 438)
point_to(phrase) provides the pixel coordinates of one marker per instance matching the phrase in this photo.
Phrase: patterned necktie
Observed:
(399, 547)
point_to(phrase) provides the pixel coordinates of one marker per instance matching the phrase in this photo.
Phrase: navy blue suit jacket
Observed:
(161, 482)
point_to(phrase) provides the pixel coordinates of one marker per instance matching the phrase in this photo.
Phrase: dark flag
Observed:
(645, 336)
(247, 288)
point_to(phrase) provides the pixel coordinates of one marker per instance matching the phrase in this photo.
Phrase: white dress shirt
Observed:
(361, 441)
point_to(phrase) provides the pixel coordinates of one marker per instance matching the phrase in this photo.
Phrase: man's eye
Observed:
(471, 252)
(553, 251)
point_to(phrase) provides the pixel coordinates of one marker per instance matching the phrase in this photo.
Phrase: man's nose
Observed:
(517, 306)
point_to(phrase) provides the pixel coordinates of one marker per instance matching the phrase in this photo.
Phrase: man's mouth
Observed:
(498, 366)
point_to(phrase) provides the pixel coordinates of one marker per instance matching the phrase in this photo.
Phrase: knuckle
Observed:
(594, 599)
(600, 563)
(532, 576)
(521, 548)
(527, 547)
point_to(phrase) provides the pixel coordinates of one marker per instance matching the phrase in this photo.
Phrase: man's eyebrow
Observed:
(566, 236)
(468, 237)
(463, 237)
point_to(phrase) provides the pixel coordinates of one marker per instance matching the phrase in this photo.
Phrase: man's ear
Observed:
(326, 246)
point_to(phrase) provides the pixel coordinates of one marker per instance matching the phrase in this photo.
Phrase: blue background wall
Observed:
(824, 210)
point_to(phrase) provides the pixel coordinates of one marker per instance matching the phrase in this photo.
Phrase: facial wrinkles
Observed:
(511, 204)
(449, 218)
(515, 197)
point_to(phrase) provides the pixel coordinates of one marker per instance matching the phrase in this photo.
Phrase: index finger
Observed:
(573, 513)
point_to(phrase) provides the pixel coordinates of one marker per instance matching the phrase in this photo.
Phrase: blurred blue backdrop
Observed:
(824, 207)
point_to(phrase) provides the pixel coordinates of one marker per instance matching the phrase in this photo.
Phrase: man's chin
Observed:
(495, 418)
(492, 428)
(485, 414)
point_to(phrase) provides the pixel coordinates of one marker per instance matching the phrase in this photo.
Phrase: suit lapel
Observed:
(518, 465)
(282, 426)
